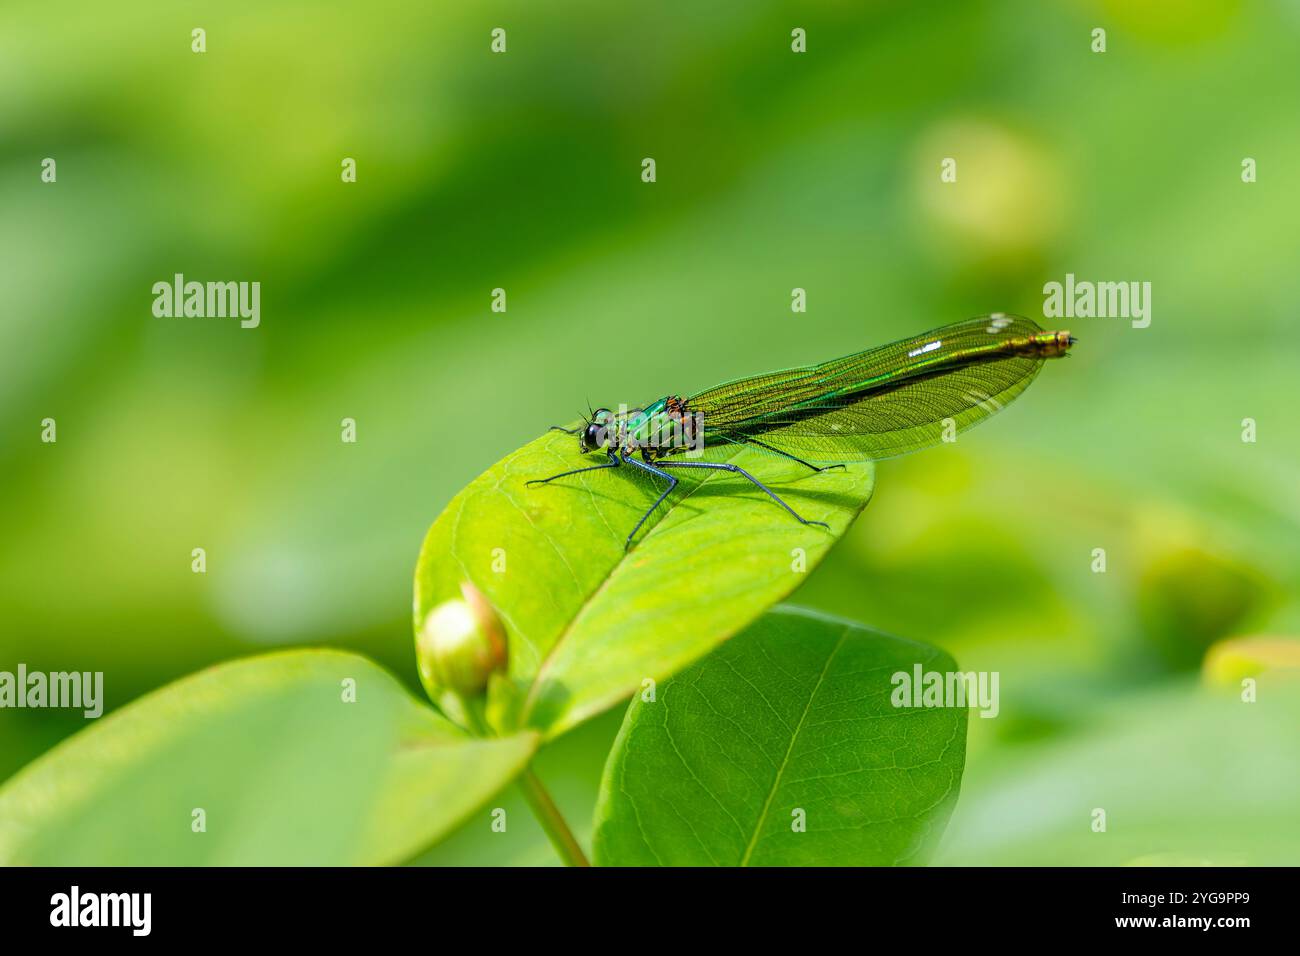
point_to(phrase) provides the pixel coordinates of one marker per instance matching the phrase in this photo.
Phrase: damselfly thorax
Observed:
(667, 427)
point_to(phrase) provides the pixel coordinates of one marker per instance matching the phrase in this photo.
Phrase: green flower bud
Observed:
(460, 645)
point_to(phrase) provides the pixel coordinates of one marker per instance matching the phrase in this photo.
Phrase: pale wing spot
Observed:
(984, 400)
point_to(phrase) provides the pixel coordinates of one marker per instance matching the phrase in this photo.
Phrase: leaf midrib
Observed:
(785, 760)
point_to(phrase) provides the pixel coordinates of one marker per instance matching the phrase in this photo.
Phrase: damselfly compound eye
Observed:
(593, 436)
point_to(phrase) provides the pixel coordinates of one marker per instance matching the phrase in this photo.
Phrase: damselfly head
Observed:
(596, 433)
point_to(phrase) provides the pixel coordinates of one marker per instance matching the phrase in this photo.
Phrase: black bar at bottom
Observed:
(329, 906)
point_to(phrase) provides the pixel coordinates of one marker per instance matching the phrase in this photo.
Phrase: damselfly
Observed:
(883, 402)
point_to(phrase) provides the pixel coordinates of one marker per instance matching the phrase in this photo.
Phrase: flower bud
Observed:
(460, 645)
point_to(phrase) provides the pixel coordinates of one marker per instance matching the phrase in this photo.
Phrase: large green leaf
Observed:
(285, 769)
(587, 621)
(792, 715)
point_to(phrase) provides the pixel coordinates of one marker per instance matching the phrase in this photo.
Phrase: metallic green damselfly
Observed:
(880, 403)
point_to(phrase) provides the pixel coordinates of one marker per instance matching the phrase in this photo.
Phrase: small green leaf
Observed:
(788, 723)
(283, 764)
(586, 621)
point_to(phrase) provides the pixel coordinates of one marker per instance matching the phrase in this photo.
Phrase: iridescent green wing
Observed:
(879, 403)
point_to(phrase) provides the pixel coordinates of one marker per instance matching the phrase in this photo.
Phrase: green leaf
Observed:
(587, 622)
(792, 715)
(284, 769)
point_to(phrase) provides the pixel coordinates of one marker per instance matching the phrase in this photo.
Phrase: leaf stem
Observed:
(548, 815)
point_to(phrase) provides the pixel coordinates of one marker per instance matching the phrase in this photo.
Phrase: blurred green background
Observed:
(775, 171)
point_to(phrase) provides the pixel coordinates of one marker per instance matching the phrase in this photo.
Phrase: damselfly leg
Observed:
(672, 483)
(718, 466)
(783, 454)
(612, 463)
(616, 460)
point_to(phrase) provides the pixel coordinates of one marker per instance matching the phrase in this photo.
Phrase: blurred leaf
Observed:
(793, 713)
(1184, 774)
(286, 772)
(1190, 598)
(587, 621)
